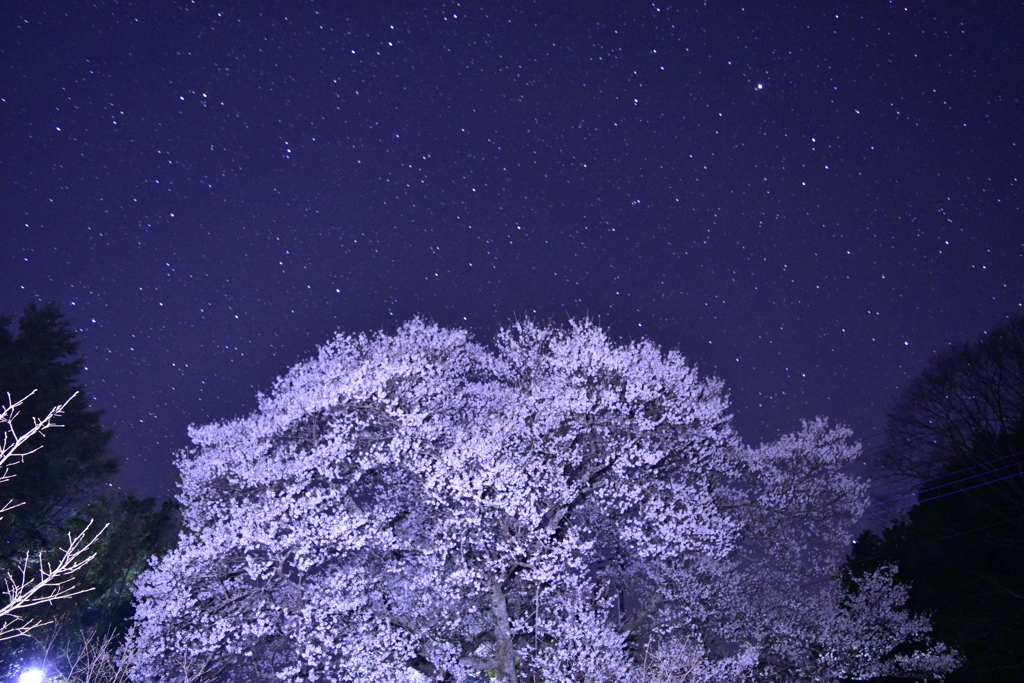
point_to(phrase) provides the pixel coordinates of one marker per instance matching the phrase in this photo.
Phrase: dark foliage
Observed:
(962, 550)
(136, 531)
(40, 356)
(38, 360)
(958, 441)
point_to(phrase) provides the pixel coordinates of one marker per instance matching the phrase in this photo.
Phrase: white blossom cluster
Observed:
(558, 508)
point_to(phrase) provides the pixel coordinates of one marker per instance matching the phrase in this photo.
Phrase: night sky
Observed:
(808, 199)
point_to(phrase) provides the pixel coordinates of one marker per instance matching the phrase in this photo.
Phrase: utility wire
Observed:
(970, 531)
(950, 483)
(883, 447)
(973, 476)
(925, 500)
(986, 462)
(956, 481)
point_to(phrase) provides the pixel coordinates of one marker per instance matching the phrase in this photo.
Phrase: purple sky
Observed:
(807, 200)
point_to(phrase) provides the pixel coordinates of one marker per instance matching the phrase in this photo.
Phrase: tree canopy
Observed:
(964, 392)
(560, 507)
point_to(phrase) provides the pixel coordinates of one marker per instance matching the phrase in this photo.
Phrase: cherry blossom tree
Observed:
(558, 508)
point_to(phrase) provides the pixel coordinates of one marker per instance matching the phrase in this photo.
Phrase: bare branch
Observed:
(38, 580)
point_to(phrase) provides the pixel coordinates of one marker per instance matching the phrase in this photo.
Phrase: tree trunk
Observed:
(503, 635)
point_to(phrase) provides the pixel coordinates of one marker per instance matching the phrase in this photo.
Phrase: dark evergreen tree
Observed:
(41, 356)
(38, 360)
(137, 530)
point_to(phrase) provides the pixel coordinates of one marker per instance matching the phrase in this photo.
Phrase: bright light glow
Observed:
(31, 676)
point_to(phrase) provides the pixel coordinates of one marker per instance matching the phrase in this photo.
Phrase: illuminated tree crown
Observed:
(558, 508)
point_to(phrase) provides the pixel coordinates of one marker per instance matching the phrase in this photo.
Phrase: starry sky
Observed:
(807, 198)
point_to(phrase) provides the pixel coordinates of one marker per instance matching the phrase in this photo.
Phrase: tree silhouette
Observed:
(958, 439)
(965, 391)
(39, 358)
(38, 361)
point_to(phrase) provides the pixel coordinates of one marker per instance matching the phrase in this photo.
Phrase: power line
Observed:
(950, 483)
(969, 531)
(957, 481)
(987, 462)
(925, 500)
(973, 476)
